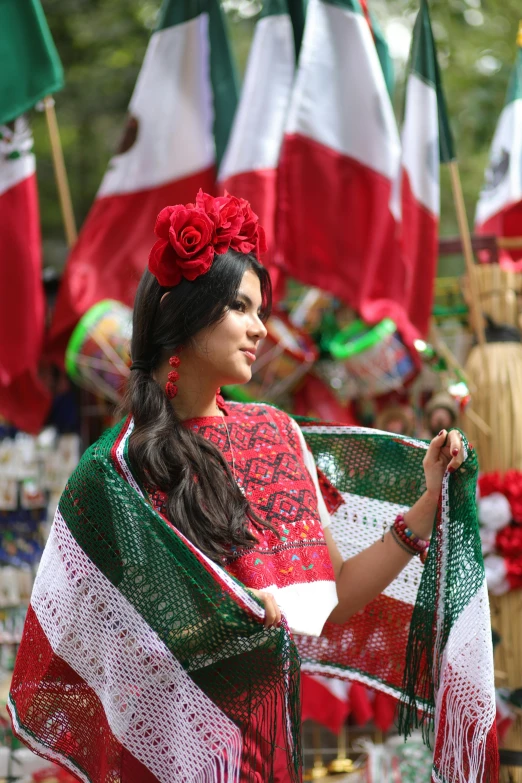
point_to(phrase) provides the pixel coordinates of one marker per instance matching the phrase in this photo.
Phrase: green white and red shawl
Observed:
(143, 661)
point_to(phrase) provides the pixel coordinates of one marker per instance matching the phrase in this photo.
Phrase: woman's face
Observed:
(226, 351)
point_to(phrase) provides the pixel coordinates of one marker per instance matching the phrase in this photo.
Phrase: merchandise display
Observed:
(33, 474)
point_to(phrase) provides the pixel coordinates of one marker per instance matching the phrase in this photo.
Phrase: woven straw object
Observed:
(500, 293)
(496, 373)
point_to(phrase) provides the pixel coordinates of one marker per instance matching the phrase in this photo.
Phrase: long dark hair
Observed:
(203, 499)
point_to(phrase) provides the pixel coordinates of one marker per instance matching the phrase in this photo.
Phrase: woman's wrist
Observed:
(433, 495)
(421, 516)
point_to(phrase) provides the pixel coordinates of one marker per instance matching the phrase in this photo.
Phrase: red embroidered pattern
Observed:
(269, 468)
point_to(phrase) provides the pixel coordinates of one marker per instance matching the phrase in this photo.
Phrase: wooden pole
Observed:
(60, 172)
(458, 198)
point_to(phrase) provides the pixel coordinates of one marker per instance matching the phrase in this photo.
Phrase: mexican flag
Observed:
(179, 120)
(31, 69)
(340, 156)
(426, 142)
(499, 210)
(249, 166)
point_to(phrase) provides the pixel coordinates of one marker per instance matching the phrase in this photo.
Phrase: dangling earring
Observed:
(220, 402)
(170, 387)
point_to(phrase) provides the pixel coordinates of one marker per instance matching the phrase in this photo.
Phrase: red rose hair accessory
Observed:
(190, 236)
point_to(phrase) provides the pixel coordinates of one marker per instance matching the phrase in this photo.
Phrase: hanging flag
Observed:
(499, 210)
(249, 166)
(325, 700)
(340, 156)
(179, 120)
(426, 142)
(31, 69)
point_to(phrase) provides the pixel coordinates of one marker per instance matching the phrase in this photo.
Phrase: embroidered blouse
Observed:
(271, 463)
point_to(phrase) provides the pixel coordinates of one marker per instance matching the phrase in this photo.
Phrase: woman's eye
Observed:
(239, 306)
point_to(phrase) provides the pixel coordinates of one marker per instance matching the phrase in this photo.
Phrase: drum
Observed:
(284, 357)
(374, 358)
(97, 356)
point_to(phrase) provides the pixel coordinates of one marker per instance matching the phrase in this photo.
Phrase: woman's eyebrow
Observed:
(245, 298)
(248, 301)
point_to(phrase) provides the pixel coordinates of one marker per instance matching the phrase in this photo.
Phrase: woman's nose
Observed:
(259, 328)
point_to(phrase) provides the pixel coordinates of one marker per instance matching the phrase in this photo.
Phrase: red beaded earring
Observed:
(170, 387)
(220, 402)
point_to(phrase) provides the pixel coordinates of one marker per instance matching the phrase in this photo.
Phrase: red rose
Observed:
(225, 213)
(185, 245)
(163, 263)
(190, 232)
(251, 236)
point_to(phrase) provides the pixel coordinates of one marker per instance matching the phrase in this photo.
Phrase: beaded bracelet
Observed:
(402, 545)
(406, 547)
(408, 536)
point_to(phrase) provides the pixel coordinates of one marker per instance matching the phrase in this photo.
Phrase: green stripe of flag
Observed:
(31, 67)
(425, 65)
(514, 92)
(347, 5)
(383, 53)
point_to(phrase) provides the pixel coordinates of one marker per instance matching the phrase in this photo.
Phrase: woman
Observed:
(241, 490)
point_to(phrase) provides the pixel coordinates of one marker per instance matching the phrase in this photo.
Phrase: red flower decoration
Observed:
(509, 542)
(190, 236)
(184, 248)
(489, 483)
(225, 212)
(251, 236)
(513, 492)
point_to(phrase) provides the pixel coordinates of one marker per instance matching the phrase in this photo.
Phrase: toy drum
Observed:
(375, 357)
(284, 357)
(97, 356)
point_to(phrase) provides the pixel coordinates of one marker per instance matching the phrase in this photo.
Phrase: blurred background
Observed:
(102, 44)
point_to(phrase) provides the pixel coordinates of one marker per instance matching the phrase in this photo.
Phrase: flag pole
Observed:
(60, 172)
(465, 236)
(476, 312)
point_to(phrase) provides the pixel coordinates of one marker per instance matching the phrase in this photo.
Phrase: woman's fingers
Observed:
(435, 447)
(272, 610)
(449, 445)
(456, 451)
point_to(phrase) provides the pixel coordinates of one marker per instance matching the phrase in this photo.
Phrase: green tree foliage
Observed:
(102, 44)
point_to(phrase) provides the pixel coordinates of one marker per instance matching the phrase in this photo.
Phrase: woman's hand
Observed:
(445, 453)
(272, 610)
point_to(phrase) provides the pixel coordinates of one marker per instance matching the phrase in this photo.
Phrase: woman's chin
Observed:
(239, 378)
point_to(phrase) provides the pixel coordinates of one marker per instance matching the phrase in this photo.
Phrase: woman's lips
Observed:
(249, 354)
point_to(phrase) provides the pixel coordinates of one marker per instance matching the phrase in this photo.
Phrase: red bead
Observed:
(171, 390)
(174, 361)
(173, 376)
